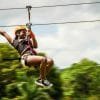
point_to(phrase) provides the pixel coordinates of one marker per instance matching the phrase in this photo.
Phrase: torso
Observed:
(23, 46)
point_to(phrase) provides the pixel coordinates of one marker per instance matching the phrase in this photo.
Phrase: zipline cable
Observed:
(69, 22)
(71, 4)
(65, 22)
(29, 24)
(13, 8)
(45, 6)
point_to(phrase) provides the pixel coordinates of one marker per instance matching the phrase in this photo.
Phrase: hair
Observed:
(17, 34)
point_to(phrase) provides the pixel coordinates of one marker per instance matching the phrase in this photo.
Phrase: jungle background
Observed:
(80, 81)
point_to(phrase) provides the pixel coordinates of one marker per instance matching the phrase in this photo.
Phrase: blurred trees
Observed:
(17, 82)
(81, 81)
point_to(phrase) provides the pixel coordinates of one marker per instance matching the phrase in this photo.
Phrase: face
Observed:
(22, 33)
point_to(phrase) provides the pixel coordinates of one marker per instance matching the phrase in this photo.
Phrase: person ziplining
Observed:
(25, 43)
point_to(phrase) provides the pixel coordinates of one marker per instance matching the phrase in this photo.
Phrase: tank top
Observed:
(23, 46)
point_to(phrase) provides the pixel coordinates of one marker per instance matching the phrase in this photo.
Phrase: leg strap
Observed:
(24, 59)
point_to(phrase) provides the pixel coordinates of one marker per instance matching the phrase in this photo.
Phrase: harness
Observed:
(24, 46)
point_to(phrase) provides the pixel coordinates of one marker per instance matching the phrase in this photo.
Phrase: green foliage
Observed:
(17, 82)
(81, 81)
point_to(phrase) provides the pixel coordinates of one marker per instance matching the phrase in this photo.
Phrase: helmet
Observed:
(21, 27)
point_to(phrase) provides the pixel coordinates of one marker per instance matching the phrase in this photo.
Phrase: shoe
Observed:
(47, 83)
(43, 83)
(39, 82)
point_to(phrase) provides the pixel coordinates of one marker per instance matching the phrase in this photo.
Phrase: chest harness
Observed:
(24, 46)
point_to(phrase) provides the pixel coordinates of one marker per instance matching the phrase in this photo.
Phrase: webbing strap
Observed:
(29, 17)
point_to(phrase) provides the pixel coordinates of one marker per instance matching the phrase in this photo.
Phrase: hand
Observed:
(2, 32)
(28, 25)
(28, 32)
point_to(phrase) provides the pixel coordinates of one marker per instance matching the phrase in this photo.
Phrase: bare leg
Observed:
(38, 60)
(43, 69)
(49, 65)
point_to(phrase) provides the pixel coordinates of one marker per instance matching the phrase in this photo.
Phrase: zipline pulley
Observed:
(29, 24)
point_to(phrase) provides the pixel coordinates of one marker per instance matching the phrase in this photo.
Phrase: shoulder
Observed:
(14, 42)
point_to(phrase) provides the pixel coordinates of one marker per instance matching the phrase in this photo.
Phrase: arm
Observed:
(33, 39)
(3, 33)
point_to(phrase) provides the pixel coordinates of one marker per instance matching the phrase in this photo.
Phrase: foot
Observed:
(43, 83)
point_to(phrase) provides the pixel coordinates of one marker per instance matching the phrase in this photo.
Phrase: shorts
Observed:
(24, 59)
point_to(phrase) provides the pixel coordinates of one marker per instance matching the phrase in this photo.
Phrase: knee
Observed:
(50, 61)
(44, 59)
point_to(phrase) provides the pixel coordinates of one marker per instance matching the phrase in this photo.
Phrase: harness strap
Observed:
(24, 50)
